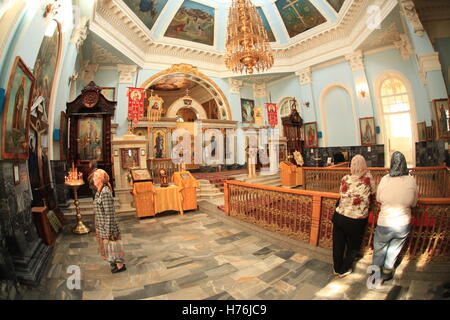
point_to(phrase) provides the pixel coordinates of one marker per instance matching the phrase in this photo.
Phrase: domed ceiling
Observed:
(301, 32)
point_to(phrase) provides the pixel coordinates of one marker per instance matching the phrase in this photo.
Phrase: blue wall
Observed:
(443, 46)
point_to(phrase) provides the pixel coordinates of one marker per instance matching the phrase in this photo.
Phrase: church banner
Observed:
(135, 104)
(272, 114)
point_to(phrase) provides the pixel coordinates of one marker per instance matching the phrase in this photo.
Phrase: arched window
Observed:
(284, 109)
(396, 114)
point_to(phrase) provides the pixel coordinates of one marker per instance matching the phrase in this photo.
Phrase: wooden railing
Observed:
(433, 182)
(306, 215)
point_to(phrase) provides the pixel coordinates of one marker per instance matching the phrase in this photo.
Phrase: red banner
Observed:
(135, 104)
(272, 114)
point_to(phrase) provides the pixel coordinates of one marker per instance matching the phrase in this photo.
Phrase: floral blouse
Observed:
(356, 194)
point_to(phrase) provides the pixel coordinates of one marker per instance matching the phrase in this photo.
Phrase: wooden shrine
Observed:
(90, 134)
(292, 128)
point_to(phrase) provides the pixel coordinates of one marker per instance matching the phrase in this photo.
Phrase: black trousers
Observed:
(348, 234)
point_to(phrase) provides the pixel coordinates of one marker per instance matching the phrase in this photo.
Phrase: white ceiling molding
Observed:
(112, 24)
(409, 11)
(102, 55)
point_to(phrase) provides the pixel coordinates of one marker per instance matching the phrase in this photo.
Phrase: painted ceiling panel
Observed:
(146, 10)
(336, 4)
(299, 15)
(266, 25)
(193, 22)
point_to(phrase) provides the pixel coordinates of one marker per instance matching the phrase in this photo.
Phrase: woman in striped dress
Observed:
(106, 226)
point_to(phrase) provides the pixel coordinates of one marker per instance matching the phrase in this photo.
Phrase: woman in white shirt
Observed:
(397, 193)
(350, 218)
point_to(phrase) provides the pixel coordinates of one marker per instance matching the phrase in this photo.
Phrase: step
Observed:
(85, 205)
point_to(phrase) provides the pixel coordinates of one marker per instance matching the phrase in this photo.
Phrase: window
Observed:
(395, 108)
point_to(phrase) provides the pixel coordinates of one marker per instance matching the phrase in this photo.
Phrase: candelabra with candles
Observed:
(74, 179)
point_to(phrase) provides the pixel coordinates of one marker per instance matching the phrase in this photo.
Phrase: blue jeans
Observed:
(387, 244)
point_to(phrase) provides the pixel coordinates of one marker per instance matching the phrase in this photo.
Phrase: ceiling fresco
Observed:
(336, 4)
(193, 22)
(146, 10)
(266, 25)
(172, 83)
(299, 15)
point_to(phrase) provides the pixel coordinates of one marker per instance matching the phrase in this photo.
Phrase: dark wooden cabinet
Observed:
(292, 128)
(90, 117)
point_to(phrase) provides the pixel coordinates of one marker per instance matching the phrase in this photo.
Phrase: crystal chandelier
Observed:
(247, 43)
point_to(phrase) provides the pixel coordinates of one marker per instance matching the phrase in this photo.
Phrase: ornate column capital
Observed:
(409, 11)
(126, 72)
(89, 71)
(355, 60)
(428, 62)
(235, 85)
(404, 45)
(80, 32)
(260, 90)
(304, 76)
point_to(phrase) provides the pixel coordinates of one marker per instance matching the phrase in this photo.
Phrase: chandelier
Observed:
(247, 42)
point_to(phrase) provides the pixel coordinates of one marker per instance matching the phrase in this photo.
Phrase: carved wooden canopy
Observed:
(91, 101)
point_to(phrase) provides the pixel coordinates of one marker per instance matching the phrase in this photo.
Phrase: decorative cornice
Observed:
(404, 45)
(355, 60)
(80, 32)
(428, 62)
(260, 90)
(409, 11)
(101, 55)
(89, 70)
(126, 73)
(304, 76)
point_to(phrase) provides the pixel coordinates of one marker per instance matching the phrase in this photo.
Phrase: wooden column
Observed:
(315, 221)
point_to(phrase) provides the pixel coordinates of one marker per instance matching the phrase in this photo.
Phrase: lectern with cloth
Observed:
(291, 175)
(189, 184)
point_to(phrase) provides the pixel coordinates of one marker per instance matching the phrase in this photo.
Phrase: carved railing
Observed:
(433, 182)
(306, 215)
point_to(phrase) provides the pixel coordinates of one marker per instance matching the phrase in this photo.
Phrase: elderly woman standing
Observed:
(397, 193)
(106, 226)
(350, 218)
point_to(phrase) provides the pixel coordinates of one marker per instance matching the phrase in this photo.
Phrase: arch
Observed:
(280, 114)
(193, 74)
(179, 104)
(323, 115)
(380, 78)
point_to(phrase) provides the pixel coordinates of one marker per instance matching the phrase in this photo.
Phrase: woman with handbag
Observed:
(350, 216)
(106, 226)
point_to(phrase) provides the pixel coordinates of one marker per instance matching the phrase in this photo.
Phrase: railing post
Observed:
(226, 195)
(315, 220)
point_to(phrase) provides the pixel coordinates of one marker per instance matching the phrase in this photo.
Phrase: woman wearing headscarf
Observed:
(350, 217)
(397, 193)
(106, 226)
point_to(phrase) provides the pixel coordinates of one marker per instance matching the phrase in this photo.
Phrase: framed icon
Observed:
(441, 111)
(367, 130)
(311, 136)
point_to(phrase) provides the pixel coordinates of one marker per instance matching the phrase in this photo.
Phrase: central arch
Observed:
(191, 73)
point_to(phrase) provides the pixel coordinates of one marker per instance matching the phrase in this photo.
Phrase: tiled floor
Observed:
(197, 256)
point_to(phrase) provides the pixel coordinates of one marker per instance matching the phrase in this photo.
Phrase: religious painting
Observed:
(154, 108)
(129, 157)
(247, 107)
(193, 22)
(171, 83)
(421, 131)
(259, 118)
(367, 130)
(90, 144)
(266, 25)
(159, 143)
(63, 138)
(16, 112)
(46, 63)
(312, 139)
(109, 93)
(430, 131)
(299, 16)
(441, 111)
(336, 4)
(146, 10)
(139, 175)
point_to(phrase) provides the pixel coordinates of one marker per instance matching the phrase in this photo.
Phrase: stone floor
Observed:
(199, 256)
